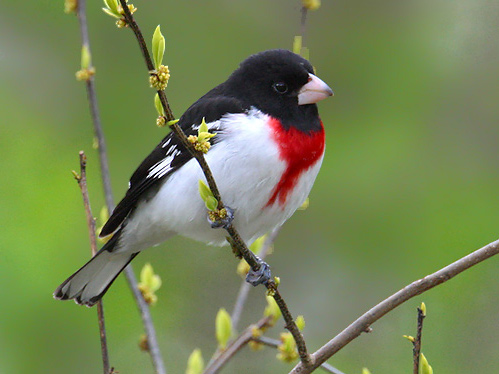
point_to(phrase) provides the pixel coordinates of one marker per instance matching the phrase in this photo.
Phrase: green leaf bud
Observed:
(300, 322)
(172, 122)
(423, 309)
(425, 367)
(305, 204)
(257, 245)
(223, 328)
(272, 310)
(311, 4)
(195, 363)
(112, 5)
(211, 203)
(204, 190)
(409, 337)
(158, 47)
(85, 57)
(149, 284)
(158, 105)
(297, 44)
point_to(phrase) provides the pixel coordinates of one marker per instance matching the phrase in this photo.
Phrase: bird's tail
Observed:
(90, 283)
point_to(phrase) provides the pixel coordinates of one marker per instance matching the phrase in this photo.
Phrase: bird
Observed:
(267, 150)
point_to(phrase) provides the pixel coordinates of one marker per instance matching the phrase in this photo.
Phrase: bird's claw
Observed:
(262, 275)
(218, 220)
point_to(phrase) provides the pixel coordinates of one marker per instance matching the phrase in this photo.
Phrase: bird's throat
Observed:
(299, 150)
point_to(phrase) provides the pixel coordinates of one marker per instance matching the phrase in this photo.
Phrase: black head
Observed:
(272, 81)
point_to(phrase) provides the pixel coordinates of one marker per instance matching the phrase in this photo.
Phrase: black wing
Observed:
(170, 154)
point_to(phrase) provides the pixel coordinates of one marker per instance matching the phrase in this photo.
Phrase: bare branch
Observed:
(224, 356)
(82, 182)
(417, 342)
(274, 343)
(94, 109)
(242, 295)
(387, 305)
(236, 240)
(106, 181)
(303, 23)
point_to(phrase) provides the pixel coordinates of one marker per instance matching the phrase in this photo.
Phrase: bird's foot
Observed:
(262, 275)
(221, 218)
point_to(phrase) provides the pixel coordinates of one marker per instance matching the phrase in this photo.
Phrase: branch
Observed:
(235, 239)
(94, 109)
(242, 295)
(218, 362)
(303, 23)
(387, 305)
(417, 341)
(274, 343)
(106, 181)
(82, 183)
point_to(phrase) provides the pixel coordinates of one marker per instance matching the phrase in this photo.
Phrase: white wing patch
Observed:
(163, 167)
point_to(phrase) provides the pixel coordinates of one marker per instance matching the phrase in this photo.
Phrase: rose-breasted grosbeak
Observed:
(266, 154)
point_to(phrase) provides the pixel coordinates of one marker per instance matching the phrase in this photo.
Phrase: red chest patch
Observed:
(299, 150)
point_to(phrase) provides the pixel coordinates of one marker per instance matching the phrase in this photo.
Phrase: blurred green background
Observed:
(409, 182)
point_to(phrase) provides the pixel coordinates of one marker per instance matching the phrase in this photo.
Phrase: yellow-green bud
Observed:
(149, 284)
(172, 122)
(158, 47)
(158, 105)
(85, 74)
(161, 121)
(297, 44)
(423, 309)
(277, 281)
(305, 204)
(70, 6)
(243, 268)
(112, 6)
(257, 245)
(85, 57)
(311, 4)
(300, 322)
(272, 310)
(287, 348)
(195, 363)
(425, 367)
(144, 343)
(207, 196)
(159, 78)
(409, 337)
(223, 328)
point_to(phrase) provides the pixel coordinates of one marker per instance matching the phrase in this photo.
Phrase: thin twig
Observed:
(416, 352)
(236, 240)
(82, 182)
(218, 362)
(94, 108)
(387, 305)
(242, 295)
(152, 341)
(108, 195)
(303, 23)
(274, 343)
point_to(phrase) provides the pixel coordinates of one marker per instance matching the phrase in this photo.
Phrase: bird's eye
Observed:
(280, 87)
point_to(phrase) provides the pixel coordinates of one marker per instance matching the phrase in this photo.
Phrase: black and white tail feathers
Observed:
(90, 283)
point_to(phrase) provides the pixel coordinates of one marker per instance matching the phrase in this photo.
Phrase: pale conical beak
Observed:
(315, 90)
